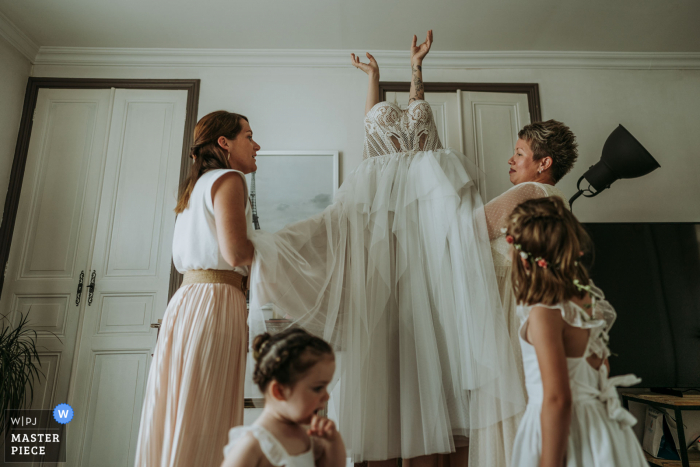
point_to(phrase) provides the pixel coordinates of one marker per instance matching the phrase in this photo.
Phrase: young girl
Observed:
(574, 416)
(293, 369)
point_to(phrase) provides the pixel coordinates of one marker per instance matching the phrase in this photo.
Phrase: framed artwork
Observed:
(290, 186)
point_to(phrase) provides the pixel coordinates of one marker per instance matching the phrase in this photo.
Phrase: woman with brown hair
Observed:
(195, 385)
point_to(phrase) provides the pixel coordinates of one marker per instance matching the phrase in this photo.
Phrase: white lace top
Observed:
(389, 130)
(499, 209)
(271, 447)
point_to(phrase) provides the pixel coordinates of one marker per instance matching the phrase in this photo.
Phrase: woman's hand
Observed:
(371, 68)
(419, 52)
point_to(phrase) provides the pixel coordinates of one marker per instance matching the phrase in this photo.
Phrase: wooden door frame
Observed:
(19, 162)
(531, 89)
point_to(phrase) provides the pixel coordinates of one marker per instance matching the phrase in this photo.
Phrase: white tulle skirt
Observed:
(397, 274)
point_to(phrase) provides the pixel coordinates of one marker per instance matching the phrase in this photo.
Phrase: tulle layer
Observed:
(397, 274)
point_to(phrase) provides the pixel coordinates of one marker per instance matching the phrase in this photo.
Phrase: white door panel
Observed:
(491, 121)
(114, 408)
(54, 228)
(131, 259)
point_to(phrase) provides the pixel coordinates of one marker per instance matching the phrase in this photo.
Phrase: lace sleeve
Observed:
(498, 209)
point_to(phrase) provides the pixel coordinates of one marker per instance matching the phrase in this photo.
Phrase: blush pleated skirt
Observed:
(194, 393)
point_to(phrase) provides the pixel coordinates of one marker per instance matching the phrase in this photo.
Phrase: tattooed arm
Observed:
(372, 70)
(417, 87)
(418, 53)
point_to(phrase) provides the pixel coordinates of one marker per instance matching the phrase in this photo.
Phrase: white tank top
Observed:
(195, 244)
(271, 447)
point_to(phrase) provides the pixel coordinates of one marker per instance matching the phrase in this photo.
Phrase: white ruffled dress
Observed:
(271, 447)
(601, 429)
(398, 275)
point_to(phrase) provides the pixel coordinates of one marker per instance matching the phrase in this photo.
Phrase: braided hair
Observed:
(545, 228)
(286, 356)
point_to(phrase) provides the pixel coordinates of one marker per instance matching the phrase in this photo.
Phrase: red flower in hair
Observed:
(509, 239)
(542, 263)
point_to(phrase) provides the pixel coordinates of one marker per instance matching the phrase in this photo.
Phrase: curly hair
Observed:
(286, 356)
(553, 139)
(545, 228)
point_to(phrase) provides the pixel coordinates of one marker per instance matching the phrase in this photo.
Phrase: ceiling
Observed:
(459, 25)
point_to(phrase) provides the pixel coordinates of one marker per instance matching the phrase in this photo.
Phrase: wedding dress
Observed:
(397, 274)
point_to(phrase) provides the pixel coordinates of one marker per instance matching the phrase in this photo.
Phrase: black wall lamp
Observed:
(623, 157)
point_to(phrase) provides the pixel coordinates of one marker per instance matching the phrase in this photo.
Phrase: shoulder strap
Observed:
(234, 434)
(523, 312)
(270, 446)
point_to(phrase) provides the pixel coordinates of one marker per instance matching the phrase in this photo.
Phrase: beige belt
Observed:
(216, 276)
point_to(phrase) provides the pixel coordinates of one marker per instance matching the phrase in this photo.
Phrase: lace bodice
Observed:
(388, 129)
(498, 210)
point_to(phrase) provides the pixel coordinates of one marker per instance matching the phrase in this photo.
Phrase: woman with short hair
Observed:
(544, 153)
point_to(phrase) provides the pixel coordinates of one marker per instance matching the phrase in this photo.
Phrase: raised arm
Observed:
(372, 70)
(418, 53)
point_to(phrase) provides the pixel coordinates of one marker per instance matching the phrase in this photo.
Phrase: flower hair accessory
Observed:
(539, 261)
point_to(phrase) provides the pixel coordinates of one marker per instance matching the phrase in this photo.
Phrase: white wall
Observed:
(306, 108)
(14, 72)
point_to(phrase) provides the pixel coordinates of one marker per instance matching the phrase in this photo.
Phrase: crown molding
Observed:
(133, 57)
(17, 38)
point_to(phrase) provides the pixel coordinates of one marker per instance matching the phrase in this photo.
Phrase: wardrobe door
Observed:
(491, 122)
(54, 228)
(130, 260)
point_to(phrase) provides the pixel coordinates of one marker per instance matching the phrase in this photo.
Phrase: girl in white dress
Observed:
(574, 416)
(195, 384)
(397, 274)
(293, 370)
